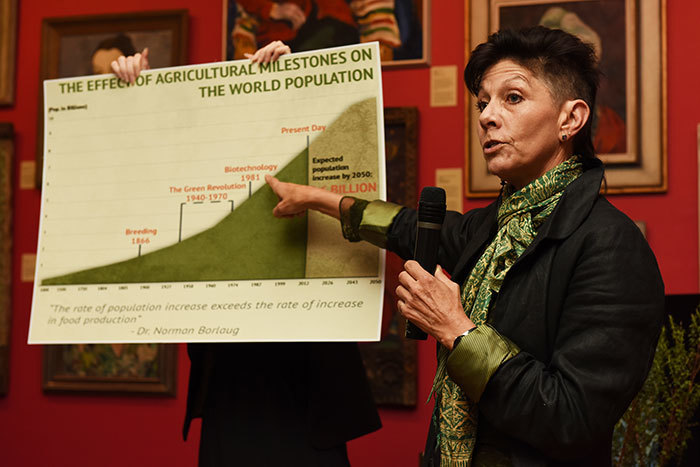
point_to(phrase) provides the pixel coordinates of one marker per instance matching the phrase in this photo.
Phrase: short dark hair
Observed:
(562, 60)
(121, 41)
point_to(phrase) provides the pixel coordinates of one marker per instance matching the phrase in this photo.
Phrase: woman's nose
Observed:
(488, 116)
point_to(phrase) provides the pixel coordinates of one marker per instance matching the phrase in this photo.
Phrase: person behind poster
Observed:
(547, 323)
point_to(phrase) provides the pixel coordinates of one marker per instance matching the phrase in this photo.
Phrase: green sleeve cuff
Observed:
(477, 357)
(369, 221)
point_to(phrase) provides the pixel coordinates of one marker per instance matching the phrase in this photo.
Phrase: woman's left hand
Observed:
(432, 303)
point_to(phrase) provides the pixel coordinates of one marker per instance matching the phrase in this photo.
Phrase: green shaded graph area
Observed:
(249, 243)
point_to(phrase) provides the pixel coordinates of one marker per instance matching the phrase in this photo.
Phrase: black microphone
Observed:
(431, 214)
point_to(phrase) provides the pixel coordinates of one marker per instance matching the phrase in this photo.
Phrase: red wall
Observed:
(65, 430)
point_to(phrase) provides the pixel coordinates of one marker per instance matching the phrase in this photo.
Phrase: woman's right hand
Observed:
(293, 198)
(270, 53)
(129, 68)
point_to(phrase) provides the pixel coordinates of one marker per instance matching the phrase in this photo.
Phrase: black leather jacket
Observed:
(584, 303)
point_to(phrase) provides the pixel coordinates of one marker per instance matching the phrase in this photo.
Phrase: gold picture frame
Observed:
(631, 110)
(6, 170)
(68, 43)
(412, 19)
(8, 42)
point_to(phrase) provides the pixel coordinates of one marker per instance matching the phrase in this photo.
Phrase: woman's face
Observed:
(519, 124)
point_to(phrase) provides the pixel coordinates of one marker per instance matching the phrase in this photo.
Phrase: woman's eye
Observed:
(514, 98)
(481, 105)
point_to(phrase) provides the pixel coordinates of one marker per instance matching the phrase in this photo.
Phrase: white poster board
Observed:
(156, 221)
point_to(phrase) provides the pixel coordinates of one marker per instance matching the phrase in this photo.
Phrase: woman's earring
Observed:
(564, 137)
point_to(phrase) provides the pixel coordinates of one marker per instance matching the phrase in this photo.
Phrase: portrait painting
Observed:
(92, 54)
(73, 45)
(399, 26)
(86, 45)
(6, 167)
(391, 362)
(602, 24)
(629, 114)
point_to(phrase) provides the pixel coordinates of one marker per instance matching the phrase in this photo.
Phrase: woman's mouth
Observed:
(491, 146)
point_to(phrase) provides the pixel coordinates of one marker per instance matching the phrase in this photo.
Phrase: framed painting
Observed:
(111, 368)
(391, 362)
(400, 26)
(629, 119)
(6, 158)
(86, 45)
(8, 40)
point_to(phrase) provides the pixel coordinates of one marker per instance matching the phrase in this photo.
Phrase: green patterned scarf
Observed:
(520, 214)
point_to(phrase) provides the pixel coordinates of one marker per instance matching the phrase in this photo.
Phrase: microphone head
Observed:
(431, 206)
(432, 194)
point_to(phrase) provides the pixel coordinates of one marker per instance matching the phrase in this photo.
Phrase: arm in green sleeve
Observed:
(477, 357)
